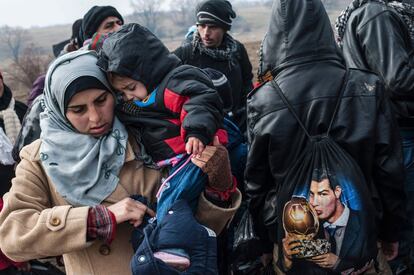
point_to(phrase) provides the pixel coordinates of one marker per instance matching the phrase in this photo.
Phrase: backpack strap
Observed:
(292, 111)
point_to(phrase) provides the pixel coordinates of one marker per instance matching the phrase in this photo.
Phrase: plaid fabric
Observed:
(101, 224)
(406, 11)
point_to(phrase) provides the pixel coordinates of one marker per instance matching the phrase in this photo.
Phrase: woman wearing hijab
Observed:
(72, 186)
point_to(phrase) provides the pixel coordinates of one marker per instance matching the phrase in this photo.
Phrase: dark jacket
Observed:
(178, 230)
(355, 246)
(7, 171)
(300, 49)
(183, 101)
(377, 39)
(239, 74)
(37, 89)
(30, 130)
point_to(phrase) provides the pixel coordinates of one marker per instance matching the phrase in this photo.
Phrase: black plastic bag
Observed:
(246, 245)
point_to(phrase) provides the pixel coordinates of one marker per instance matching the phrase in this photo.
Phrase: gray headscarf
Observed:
(84, 169)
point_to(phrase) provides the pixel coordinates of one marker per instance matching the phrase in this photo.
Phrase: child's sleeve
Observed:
(199, 105)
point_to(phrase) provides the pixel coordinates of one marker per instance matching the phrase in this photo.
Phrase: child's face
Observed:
(131, 89)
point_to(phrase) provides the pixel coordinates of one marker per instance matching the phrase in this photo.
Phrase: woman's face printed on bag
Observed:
(326, 200)
(91, 112)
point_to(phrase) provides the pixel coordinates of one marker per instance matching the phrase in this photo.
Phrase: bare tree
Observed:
(28, 61)
(148, 13)
(31, 64)
(15, 39)
(183, 12)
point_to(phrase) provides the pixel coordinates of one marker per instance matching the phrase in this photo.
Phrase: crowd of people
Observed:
(134, 159)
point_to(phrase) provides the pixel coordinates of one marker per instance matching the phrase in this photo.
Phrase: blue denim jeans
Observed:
(405, 257)
(187, 184)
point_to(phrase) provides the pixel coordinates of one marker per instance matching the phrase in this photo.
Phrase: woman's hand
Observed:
(130, 210)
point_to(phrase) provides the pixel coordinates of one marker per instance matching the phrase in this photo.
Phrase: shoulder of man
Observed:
(372, 10)
(184, 52)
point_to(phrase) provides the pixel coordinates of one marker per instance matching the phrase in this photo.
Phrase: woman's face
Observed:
(91, 112)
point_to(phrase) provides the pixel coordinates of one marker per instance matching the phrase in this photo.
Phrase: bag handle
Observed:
(292, 111)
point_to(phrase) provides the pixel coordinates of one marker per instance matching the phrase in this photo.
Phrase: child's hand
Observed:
(194, 146)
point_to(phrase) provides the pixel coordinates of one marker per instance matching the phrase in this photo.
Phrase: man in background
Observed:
(212, 46)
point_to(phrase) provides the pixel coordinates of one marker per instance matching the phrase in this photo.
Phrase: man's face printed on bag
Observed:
(326, 200)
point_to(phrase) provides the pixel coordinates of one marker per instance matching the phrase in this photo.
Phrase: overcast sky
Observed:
(28, 13)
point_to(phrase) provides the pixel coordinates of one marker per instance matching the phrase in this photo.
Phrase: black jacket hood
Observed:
(137, 53)
(299, 31)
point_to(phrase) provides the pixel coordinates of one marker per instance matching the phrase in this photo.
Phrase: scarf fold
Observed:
(405, 10)
(5, 149)
(84, 169)
(9, 116)
(226, 52)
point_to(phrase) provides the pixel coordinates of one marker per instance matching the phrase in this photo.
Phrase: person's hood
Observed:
(299, 31)
(135, 52)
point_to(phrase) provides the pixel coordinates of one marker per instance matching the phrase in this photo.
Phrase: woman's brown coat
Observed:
(37, 222)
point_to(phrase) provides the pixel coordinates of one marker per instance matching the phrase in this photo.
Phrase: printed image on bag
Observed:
(326, 219)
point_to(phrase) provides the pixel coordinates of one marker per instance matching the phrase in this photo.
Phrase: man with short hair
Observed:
(212, 46)
(334, 216)
(326, 200)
